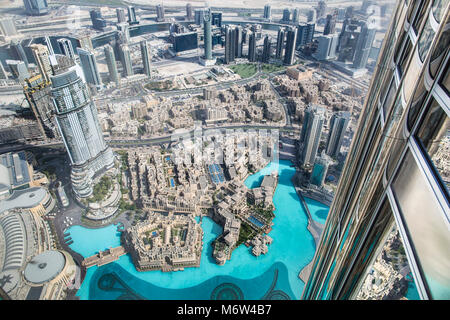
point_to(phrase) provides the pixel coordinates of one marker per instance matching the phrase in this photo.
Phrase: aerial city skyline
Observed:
(260, 151)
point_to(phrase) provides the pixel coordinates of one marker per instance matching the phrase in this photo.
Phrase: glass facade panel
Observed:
(434, 137)
(445, 82)
(425, 40)
(438, 9)
(420, 15)
(426, 227)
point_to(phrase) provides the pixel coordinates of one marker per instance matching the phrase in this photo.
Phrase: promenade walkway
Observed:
(104, 257)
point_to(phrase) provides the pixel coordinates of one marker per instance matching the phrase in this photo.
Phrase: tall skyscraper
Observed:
(76, 117)
(35, 7)
(280, 43)
(289, 52)
(321, 9)
(266, 50)
(121, 16)
(311, 16)
(338, 126)
(41, 56)
(98, 23)
(89, 65)
(18, 69)
(189, 15)
(7, 27)
(238, 42)
(230, 42)
(305, 33)
(295, 15)
(363, 46)
(216, 19)
(18, 51)
(112, 65)
(252, 47)
(326, 47)
(126, 60)
(267, 11)
(132, 19)
(311, 133)
(160, 12)
(198, 16)
(330, 24)
(286, 15)
(396, 172)
(146, 55)
(49, 45)
(66, 48)
(207, 34)
(86, 42)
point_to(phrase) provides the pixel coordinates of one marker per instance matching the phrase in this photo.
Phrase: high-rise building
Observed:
(305, 33)
(18, 51)
(124, 32)
(396, 173)
(291, 40)
(86, 42)
(311, 16)
(78, 124)
(319, 171)
(321, 9)
(132, 19)
(35, 7)
(330, 24)
(267, 11)
(146, 55)
(230, 42)
(160, 12)
(66, 48)
(89, 66)
(216, 19)
(286, 15)
(198, 16)
(7, 27)
(98, 23)
(238, 42)
(363, 46)
(112, 65)
(280, 43)
(41, 57)
(207, 34)
(3, 74)
(37, 93)
(311, 132)
(18, 69)
(349, 12)
(338, 126)
(121, 15)
(348, 38)
(326, 47)
(189, 15)
(252, 56)
(126, 60)
(266, 50)
(295, 15)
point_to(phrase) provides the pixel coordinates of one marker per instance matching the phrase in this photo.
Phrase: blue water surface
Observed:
(270, 276)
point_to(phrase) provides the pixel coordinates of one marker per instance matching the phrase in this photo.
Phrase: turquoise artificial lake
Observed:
(270, 276)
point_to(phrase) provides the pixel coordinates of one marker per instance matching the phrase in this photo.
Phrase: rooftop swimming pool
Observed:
(270, 276)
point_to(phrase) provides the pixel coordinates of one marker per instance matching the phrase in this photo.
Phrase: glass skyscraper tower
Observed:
(77, 120)
(397, 171)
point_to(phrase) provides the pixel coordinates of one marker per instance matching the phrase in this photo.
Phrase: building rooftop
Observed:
(45, 267)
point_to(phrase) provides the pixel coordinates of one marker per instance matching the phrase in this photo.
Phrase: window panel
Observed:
(439, 52)
(434, 137)
(425, 40)
(438, 9)
(420, 16)
(425, 225)
(445, 82)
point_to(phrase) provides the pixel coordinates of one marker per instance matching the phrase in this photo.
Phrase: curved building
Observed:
(77, 120)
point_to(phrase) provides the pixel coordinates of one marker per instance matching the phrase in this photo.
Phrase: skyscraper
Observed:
(396, 172)
(311, 16)
(41, 56)
(289, 52)
(295, 15)
(132, 15)
(112, 65)
(319, 171)
(321, 9)
(7, 27)
(216, 19)
(121, 16)
(286, 15)
(126, 60)
(189, 11)
(311, 133)
(98, 22)
(198, 16)
(252, 47)
(266, 50)
(267, 11)
(326, 47)
(363, 46)
(18, 51)
(18, 69)
(89, 65)
(338, 126)
(86, 42)
(76, 117)
(160, 12)
(230, 42)
(207, 34)
(49, 45)
(35, 7)
(280, 43)
(238, 42)
(330, 24)
(146, 55)
(66, 48)
(305, 33)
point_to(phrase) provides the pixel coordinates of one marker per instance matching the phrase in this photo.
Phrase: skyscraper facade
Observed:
(230, 42)
(252, 56)
(291, 40)
(146, 55)
(66, 48)
(189, 15)
(77, 120)
(330, 24)
(160, 12)
(286, 15)
(338, 126)
(126, 60)
(305, 33)
(207, 34)
(326, 47)
(238, 42)
(41, 56)
(280, 43)
(18, 51)
(266, 50)
(311, 133)
(89, 66)
(121, 16)
(7, 27)
(112, 65)
(35, 7)
(363, 46)
(267, 11)
(132, 19)
(97, 20)
(295, 15)
(396, 172)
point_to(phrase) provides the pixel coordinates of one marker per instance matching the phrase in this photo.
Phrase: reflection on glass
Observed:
(420, 94)
(445, 82)
(389, 277)
(425, 40)
(420, 16)
(434, 136)
(438, 9)
(425, 225)
(439, 52)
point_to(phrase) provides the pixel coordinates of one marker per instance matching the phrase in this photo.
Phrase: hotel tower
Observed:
(397, 172)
